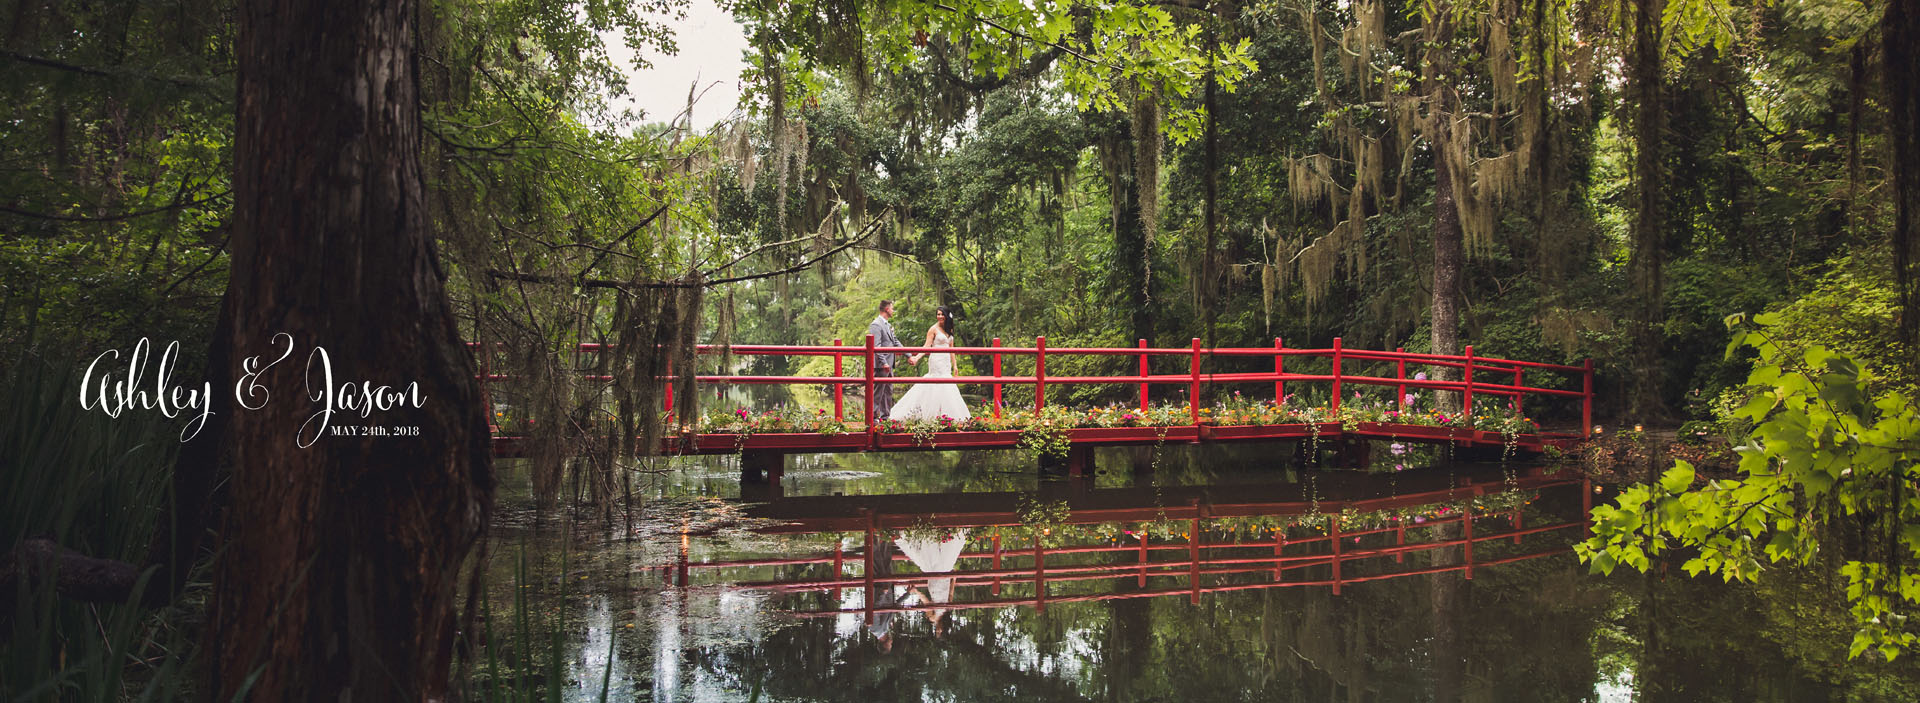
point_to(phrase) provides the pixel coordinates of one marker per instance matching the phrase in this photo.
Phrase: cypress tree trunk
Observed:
(1449, 255)
(1130, 236)
(340, 560)
(1649, 250)
(1449, 240)
(1209, 279)
(1900, 28)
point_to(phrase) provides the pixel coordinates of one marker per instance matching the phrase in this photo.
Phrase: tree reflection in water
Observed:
(765, 612)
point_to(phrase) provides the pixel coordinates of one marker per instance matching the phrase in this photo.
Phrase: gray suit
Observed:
(882, 332)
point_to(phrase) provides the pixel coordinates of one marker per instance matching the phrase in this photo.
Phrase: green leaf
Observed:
(1603, 562)
(1677, 479)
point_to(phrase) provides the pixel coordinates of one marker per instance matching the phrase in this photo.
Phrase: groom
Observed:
(882, 333)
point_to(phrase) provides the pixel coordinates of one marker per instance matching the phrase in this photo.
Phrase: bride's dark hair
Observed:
(946, 319)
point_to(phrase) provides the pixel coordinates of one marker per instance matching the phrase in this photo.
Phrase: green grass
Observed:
(96, 485)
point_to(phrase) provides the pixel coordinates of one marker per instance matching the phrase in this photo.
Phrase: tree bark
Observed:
(1209, 279)
(1649, 178)
(1443, 592)
(1449, 240)
(339, 561)
(1900, 29)
(1130, 237)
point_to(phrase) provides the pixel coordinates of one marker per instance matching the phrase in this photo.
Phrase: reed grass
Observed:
(96, 485)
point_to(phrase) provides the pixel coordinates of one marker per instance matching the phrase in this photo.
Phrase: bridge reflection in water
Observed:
(1071, 542)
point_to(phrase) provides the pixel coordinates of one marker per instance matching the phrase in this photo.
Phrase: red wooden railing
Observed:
(1472, 368)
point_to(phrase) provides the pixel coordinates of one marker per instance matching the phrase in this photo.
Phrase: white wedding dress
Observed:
(930, 401)
(933, 557)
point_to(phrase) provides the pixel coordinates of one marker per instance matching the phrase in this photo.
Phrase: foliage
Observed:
(61, 468)
(792, 419)
(1830, 453)
(1045, 436)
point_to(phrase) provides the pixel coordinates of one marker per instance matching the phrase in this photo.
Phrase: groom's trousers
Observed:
(882, 395)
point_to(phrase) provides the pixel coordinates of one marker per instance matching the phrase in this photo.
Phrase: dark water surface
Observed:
(1216, 577)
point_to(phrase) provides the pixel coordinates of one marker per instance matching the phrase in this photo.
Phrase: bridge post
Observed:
(1193, 552)
(1586, 400)
(1039, 574)
(1279, 368)
(1517, 395)
(1142, 559)
(1333, 533)
(839, 568)
(1466, 401)
(1400, 373)
(1467, 518)
(1336, 397)
(996, 374)
(869, 573)
(1143, 376)
(839, 389)
(996, 562)
(1279, 553)
(1193, 394)
(1039, 374)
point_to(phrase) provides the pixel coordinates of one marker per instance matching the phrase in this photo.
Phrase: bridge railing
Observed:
(1479, 375)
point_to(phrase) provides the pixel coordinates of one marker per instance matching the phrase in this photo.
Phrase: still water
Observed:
(1206, 574)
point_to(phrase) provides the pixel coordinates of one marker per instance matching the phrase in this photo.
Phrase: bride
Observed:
(930, 401)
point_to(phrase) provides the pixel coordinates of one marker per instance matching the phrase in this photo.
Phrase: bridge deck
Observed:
(813, 443)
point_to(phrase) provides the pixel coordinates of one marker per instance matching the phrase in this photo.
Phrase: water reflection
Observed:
(967, 578)
(933, 554)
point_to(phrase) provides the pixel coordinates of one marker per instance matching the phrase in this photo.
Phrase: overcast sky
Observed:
(711, 47)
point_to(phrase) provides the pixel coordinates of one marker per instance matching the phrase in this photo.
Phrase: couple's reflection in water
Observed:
(934, 553)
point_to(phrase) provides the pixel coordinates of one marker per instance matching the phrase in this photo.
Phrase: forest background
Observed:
(1545, 179)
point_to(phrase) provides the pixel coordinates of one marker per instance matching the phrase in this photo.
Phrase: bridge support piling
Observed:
(1141, 459)
(765, 492)
(762, 466)
(1080, 461)
(1354, 453)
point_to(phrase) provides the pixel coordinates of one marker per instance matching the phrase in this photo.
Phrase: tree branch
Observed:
(100, 72)
(1027, 37)
(114, 218)
(700, 280)
(76, 575)
(657, 212)
(1033, 68)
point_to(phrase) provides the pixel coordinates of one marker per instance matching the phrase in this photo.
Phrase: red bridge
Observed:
(1501, 424)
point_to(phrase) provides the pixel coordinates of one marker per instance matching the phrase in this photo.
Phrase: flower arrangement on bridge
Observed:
(924, 431)
(1043, 433)
(784, 419)
(1238, 409)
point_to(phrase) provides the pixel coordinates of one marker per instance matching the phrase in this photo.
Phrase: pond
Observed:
(1193, 574)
